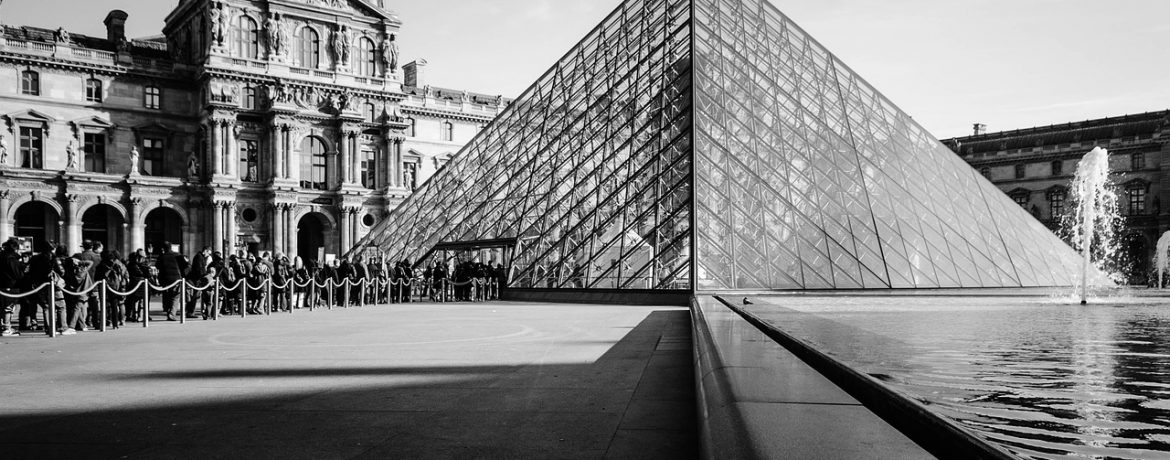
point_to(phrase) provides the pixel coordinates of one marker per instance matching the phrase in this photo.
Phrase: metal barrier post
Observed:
(244, 295)
(51, 328)
(362, 293)
(182, 302)
(329, 285)
(268, 297)
(215, 302)
(345, 293)
(145, 303)
(101, 306)
(312, 294)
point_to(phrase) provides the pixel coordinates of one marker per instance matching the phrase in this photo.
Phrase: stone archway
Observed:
(105, 224)
(38, 220)
(164, 226)
(314, 241)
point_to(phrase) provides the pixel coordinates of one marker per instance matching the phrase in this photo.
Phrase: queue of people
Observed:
(236, 284)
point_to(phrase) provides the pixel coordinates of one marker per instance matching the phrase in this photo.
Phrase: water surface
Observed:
(1042, 377)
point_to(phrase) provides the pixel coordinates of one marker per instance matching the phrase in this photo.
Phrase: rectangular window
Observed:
(249, 97)
(93, 90)
(1020, 171)
(249, 161)
(1138, 161)
(1056, 204)
(30, 83)
(1057, 168)
(369, 170)
(95, 152)
(1137, 201)
(153, 98)
(152, 157)
(32, 148)
(1021, 200)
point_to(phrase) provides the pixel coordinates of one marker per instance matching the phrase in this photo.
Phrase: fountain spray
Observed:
(1163, 248)
(1096, 215)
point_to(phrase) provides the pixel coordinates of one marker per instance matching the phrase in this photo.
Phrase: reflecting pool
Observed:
(1043, 377)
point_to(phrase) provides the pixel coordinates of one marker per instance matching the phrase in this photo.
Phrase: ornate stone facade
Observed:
(1035, 167)
(248, 124)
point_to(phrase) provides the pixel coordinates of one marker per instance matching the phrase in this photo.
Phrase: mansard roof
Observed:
(1127, 126)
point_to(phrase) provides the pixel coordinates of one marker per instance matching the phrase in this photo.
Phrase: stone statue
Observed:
(192, 166)
(390, 54)
(134, 161)
(219, 22)
(62, 35)
(341, 42)
(275, 37)
(3, 150)
(71, 156)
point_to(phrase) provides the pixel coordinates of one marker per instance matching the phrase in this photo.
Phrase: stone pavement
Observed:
(498, 380)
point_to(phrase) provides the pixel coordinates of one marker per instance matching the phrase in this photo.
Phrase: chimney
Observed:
(116, 26)
(414, 73)
(980, 129)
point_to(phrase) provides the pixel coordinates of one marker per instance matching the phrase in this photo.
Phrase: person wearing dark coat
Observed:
(139, 272)
(198, 277)
(171, 268)
(39, 272)
(11, 276)
(359, 274)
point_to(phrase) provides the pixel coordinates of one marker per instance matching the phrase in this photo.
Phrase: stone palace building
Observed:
(280, 125)
(1035, 167)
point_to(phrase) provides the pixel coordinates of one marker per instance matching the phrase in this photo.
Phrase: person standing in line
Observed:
(90, 253)
(280, 288)
(139, 272)
(197, 278)
(171, 268)
(359, 275)
(78, 281)
(301, 276)
(40, 272)
(10, 278)
(114, 273)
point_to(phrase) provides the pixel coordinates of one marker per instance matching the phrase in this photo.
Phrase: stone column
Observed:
(137, 225)
(345, 231)
(215, 160)
(232, 231)
(217, 227)
(277, 228)
(292, 230)
(233, 149)
(5, 223)
(278, 153)
(72, 224)
(343, 154)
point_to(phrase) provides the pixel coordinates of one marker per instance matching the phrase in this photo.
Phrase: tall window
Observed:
(249, 97)
(1056, 203)
(247, 38)
(1057, 168)
(94, 146)
(1137, 161)
(30, 83)
(448, 131)
(1020, 171)
(152, 98)
(152, 157)
(32, 142)
(410, 127)
(367, 64)
(370, 113)
(1137, 199)
(1021, 199)
(249, 161)
(369, 172)
(93, 90)
(313, 162)
(308, 48)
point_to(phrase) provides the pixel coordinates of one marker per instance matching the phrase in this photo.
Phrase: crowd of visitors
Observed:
(241, 283)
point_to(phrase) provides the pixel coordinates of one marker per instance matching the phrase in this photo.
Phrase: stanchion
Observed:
(345, 285)
(215, 302)
(312, 294)
(51, 328)
(101, 306)
(145, 304)
(182, 302)
(267, 297)
(329, 285)
(244, 296)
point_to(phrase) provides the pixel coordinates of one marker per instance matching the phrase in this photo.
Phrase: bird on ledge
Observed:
(746, 301)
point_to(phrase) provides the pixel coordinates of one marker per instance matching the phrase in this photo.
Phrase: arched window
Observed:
(448, 131)
(313, 164)
(93, 90)
(308, 48)
(370, 112)
(367, 65)
(152, 97)
(30, 83)
(249, 97)
(247, 38)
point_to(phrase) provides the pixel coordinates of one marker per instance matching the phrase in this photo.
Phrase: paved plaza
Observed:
(489, 380)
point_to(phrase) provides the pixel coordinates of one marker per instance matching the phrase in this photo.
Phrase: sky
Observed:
(1009, 64)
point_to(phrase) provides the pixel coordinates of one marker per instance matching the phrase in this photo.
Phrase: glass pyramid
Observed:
(713, 145)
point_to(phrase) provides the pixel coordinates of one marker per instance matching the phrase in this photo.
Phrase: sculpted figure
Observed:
(341, 41)
(3, 151)
(192, 166)
(219, 21)
(390, 54)
(62, 35)
(71, 156)
(134, 161)
(272, 29)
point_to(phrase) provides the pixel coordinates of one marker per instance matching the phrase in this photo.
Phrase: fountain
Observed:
(1095, 218)
(1163, 248)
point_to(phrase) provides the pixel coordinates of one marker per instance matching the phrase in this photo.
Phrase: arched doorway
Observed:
(103, 223)
(39, 221)
(164, 226)
(311, 242)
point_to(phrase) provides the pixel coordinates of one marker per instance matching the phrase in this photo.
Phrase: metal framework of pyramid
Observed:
(713, 145)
